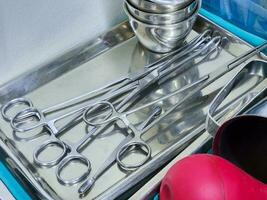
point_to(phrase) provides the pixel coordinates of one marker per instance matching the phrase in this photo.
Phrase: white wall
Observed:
(33, 31)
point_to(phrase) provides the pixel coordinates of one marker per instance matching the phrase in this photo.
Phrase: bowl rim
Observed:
(175, 4)
(162, 26)
(129, 4)
(169, 2)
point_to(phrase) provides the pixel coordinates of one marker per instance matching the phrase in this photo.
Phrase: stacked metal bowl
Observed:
(162, 25)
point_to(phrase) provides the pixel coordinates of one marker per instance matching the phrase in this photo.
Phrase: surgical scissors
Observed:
(118, 87)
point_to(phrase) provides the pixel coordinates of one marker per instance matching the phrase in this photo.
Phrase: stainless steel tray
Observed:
(87, 67)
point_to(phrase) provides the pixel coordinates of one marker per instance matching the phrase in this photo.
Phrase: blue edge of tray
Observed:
(14, 187)
(244, 35)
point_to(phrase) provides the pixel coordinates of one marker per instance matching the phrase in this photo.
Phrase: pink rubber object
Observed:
(209, 177)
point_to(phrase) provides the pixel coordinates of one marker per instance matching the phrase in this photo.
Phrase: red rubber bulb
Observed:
(209, 177)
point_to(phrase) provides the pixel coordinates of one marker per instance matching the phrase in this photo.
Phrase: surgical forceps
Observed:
(132, 140)
(206, 80)
(74, 153)
(51, 124)
(17, 124)
(118, 87)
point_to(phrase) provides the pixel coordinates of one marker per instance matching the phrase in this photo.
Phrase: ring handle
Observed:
(128, 147)
(66, 161)
(103, 120)
(43, 147)
(17, 121)
(18, 101)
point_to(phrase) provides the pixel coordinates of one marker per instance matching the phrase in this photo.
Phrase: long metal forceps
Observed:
(129, 141)
(194, 45)
(37, 119)
(113, 155)
(133, 81)
(114, 88)
(74, 153)
(110, 94)
(205, 81)
(136, 140)
(159, 73)
(121, 107)
(74, 149)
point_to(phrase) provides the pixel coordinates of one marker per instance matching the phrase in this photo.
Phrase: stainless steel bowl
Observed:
(161, 38)
(160, 6)
(166, 18)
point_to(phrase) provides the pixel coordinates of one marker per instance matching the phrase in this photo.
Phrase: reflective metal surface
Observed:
(166, 139)
(66, 62)
(159, 6)
(166, 18)
(161, 38)
(254, 69)
(259, 105)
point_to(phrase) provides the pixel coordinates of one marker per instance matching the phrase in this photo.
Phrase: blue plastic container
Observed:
(249, 15)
